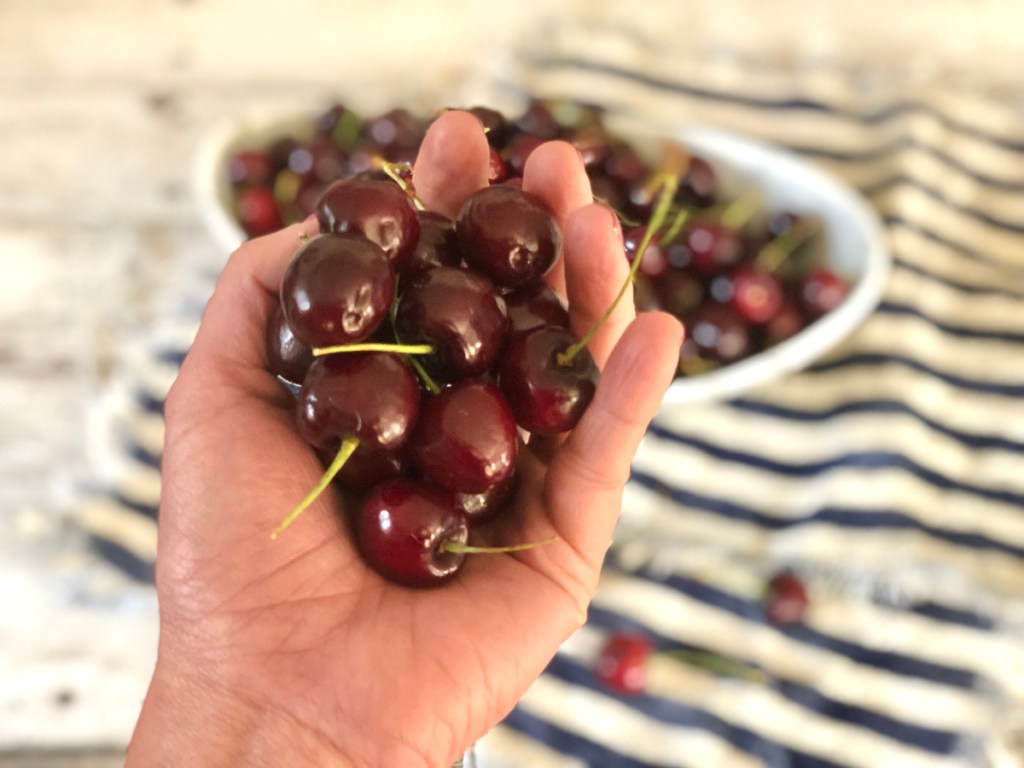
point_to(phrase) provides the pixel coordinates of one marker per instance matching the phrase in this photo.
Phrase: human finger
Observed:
(452, 162)
(588, 472)
(596, 273)
(554, 172)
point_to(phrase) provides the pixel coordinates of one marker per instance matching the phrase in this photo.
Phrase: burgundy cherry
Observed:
(621, 664)
(821, 291)
(788, 321)
(258, 212)
(377, 210)
(459, 313)
(654, 262)
(785, 599)
(535, 305)
(713, 248)
(287, 357)
(436, 245)
(401, 528)
(251, 167)
(545, 394)
(466, 438)
(755, 296)
(337, 290)
(366, 469)
(717, 333)
(484, 506)
(508, 234)
(374, 396)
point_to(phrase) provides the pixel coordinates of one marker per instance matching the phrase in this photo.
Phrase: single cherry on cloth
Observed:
(785, 599)
(401, 528)
(547, 393)
(621, 664)
(466, 439)
(372, 396)
(378, 210)
(459, 313)
(337, 290)
(508, 234)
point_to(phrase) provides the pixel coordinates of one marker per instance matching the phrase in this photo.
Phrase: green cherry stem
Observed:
(739, 211)
(716, 664)
(373, 346)
(469, 549)
(668, 184)
(395, 173)
(348, 447)
(774, 253)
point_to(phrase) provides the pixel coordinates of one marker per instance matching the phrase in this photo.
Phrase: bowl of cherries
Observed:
(768, 261)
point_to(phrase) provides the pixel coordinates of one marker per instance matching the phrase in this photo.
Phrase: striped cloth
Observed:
(889, 475)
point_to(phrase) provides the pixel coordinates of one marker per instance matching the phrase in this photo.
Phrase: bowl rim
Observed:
(739, 153)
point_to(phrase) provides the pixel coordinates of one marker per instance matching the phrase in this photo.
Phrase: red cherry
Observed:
(459, 313)
(821, 291)
(545, 394)
(251, 167)
(785, 599)
(258, 212)
(466, 438)
(622, 663)
(654, 262)
(480, 507)
(378, 210)
(508, 234)
(287, 357)
(401, 528)
(436, 245)
(756, 296)
(374, 396)
(713, 248)
(337, 290)
(535, 305)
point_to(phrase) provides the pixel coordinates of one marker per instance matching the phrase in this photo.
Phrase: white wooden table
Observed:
(102, 106)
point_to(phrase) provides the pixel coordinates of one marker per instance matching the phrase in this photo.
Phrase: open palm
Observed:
(291, 651)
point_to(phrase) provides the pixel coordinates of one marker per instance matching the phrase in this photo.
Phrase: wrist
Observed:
(185, 721)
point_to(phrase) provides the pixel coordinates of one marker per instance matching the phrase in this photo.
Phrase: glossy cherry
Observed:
(459, 313)
(401, 528)
(436, 245)
(756, 296)
(374, 396)
(377, 210)
(287, 357)
(257, 211)
(465, 439)
(486, 505)
(547, 394)
(714, 248)
(508, 234)
(534, 305)
(821, 291)
(718, 334)
(337, 290)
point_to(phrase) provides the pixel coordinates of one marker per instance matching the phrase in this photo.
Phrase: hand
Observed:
(293, 652)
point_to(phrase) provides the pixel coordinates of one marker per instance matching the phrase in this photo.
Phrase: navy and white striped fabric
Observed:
(889, 475)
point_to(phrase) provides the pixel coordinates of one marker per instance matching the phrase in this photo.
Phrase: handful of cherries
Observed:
(419, 349)
(740, 278)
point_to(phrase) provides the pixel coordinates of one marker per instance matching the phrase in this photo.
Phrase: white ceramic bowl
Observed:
(855, 245)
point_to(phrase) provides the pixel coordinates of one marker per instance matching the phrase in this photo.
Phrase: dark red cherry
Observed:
(621, 664)
(497, 169)
(251, 167)
(546, 395)
(538, 119)
(374, 396)
(495, 125)
(678, 292)
(508, 234)
(785, 599)
(337, 289)
(699, 185)
(788, 321)
(394, 133)
(714, 248)
(717, 333)
(401, 528)
(534, 305)
(821, 291)
(319, 159)
(258, 211)
(466, 438)
(436, 245)
(518, 150)
(287, 357)
(366, 469)
(755, 296)
(484, 506)
(377, 210)
(459, 313)
(654, 262)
